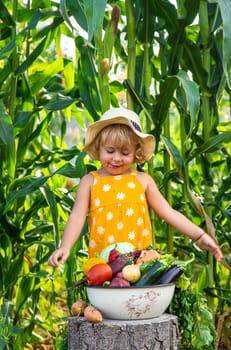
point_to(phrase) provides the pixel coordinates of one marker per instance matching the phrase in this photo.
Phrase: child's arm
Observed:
(182, 224)
(75, 222)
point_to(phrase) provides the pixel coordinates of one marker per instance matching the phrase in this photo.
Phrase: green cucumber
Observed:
(151, 275)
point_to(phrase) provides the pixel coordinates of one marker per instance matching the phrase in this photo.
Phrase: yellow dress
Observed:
(118, 212)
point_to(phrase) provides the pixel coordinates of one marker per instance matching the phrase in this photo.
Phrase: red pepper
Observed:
(113, 255)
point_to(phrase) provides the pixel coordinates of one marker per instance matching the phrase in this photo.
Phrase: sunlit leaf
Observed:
(202, 281)
(94, 12)
(70, 171)
(167, 11)
(5, 15)
(175, 155)
(27, 186)
(21, 120)
(199, 207)
(225, 8)
(212, 144)
(35, 53)
(192, 59)
(59, 102)
(163, 100)
(20, 37)
(26, 287)
(78, 13)
(51, 200)
(88, 87)
(7, 142)
(192, 96)
(42, 73)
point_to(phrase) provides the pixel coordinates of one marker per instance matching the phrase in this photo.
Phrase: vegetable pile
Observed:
(121, 265)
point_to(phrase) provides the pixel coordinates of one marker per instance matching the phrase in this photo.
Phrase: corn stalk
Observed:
(131, 48)
(206, 114)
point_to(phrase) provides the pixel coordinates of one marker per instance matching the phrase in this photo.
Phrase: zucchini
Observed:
(151, 275)
(145, 265)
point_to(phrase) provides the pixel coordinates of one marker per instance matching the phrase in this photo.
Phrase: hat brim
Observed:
(148, 140)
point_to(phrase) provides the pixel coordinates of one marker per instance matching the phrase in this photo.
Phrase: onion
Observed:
(131, 273)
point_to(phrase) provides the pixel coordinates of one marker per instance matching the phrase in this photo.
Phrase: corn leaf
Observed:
(94, 11)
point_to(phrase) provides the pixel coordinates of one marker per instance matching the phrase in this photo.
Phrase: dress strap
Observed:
(95, 174)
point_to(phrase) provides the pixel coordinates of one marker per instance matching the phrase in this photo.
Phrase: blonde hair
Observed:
(121, 135)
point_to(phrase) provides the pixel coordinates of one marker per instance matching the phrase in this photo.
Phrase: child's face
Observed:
(116, 160)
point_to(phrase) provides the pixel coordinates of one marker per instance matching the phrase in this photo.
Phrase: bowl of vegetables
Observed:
(131, 303)
(128, 284)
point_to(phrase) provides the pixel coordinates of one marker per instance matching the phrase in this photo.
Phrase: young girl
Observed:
(117, 197)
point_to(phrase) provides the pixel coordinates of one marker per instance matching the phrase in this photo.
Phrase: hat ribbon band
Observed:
(135, 125)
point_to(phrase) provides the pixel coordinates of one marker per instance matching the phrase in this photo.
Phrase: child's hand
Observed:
(208, 243)
(59, 256)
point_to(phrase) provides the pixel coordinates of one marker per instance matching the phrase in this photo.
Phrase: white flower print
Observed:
(106, 188)
(142, 198)
(111, 239)
(97, 202)
(109, 215)
(100, 230)
(117, 177)
(129, 211)
(131, 185)
(120, 195)
(145, 232)
(131, 235)
(120, 226)
(140, 221)
(92, 243)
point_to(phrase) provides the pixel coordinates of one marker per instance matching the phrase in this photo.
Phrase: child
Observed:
(116, 197)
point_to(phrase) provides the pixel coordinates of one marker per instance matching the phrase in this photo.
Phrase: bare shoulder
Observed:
(144, 176)
(145, 179)
(84, 189)
(86, 181)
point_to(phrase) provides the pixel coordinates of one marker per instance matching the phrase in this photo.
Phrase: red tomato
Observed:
(99, 274)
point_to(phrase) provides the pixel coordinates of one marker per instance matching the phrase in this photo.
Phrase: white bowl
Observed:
(131, 303)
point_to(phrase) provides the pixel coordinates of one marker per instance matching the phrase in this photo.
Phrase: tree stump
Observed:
(160, 333)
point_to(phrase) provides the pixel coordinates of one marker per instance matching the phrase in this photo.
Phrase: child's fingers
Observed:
(206, 242)
(55, 258)
(217, 253)
(58, 257)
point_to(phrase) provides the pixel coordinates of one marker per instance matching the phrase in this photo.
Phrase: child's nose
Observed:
(116, 156)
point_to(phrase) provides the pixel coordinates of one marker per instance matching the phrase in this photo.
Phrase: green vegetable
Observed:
(169, 260)
(146, 265)
(151, 274)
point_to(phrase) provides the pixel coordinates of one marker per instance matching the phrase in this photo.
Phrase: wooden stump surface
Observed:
(159, 333)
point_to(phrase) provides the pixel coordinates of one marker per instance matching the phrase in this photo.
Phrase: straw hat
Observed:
(119, 116)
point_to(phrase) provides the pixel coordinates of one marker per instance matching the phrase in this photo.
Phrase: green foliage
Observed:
(196, 325)
(8, 332)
